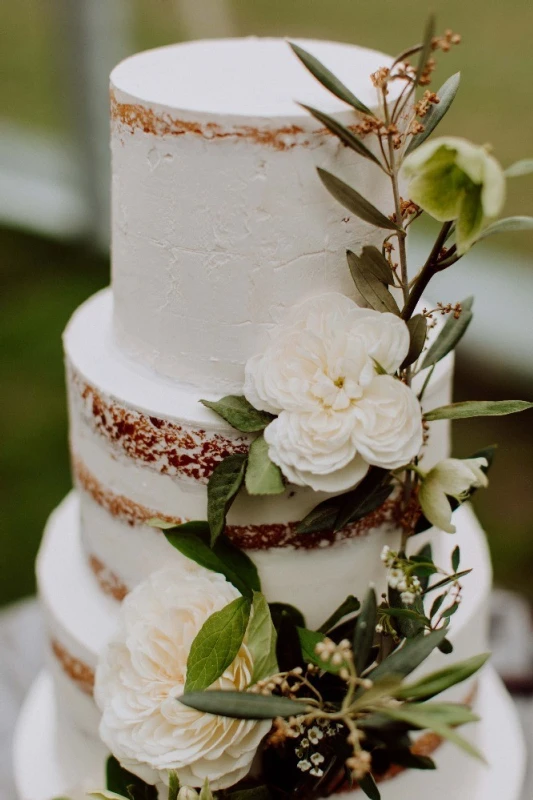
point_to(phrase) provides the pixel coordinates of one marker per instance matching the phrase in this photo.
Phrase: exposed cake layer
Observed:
(144, 447)
(220, 222)
(80, 617)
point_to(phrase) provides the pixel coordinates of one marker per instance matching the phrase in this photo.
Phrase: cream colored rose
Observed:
(336, 413)
(141, 675)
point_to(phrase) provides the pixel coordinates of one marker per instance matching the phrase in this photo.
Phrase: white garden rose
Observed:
(141, 675)
(336, 412)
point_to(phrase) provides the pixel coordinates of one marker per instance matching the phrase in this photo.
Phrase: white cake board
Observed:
(46, 768)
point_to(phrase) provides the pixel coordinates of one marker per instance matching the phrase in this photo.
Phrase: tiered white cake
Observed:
(219, 226)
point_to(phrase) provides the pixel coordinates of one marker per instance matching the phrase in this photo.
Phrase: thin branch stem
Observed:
(430, 268)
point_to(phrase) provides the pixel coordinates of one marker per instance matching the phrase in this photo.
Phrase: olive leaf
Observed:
(262, 475)
(429, 33)
(507, 225)
(519, 168)
(417, 326)
(240, 414)
(376, 262)
(244, 705)
(478, 408)
(328, 79)
(367, 496)
(451, 334)
(216, 644)
(262, 640)
(349, 606)
(408, 657)
(368, 785)
(355, 202)
(373, 291)
(192, 540)
(364, 631)
(346, 136)
(224, 483)
(446, 95)
(437, 718)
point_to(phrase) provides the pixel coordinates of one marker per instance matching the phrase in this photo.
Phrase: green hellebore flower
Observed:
(453, 179)
(452, 477)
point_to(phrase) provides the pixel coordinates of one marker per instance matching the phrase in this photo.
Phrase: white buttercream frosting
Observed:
(220, 222)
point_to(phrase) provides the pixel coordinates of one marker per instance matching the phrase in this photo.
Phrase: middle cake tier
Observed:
(144, 446)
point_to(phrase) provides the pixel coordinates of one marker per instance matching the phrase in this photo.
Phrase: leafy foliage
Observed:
(240, 414)
(224, 483)
(262, 475)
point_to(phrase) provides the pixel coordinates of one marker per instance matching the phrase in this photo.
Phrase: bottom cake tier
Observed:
(53, 758)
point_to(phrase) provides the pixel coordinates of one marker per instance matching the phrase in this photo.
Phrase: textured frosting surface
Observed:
(220, 222)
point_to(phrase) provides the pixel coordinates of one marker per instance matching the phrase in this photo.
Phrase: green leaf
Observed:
(450, 335)
(125, 784)
(376, 262)
(346, 136)
(405, 758)
(328, 79)
(446, 581)
(425, 52)
(446, 647)
(365, 631)
(519, 168)
(407, 658)
(173, 785)
(349, 606)
(284, 609)
(161, 524)
(446, 94)
(241, 414)
(288, 648)
(456, 558)
(355, 202)
(224, 558)
(369, 787)
(244, 705)
(478, 408)
(216, 644)
(405, 613)
(224, 483)
(507, 225)
(417, 326)
(437, 718)
(367, 496)
(437, 682)
(262, 640)
(375, 294)
(262, 475)
(308, 642)
(205, 792)
(387, 686)
(437, 603)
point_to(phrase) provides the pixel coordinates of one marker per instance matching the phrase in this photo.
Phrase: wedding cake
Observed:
(220, 228)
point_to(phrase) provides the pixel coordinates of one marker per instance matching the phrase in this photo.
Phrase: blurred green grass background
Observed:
(45, 280)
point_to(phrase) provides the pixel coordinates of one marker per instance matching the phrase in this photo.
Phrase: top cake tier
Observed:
(219, 219)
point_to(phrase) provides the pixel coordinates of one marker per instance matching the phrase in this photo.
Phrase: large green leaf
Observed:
(437, 718)
(376, 262)
(216, 644)
(367, 496)
(478, 408)
(262, 475)
(346, 136)
(191, 539)
(262, 640)
(437, 682)
(365, 631)
(451, 334)
(241, 414)
(224, 484)
(349, 606)
(355, 202)
(244, 705)
(369, 787)
(446, 94)
(417, 326)
(328, 79)
(407, 658)
(373, 291)
(507, 225)
(519, 168)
